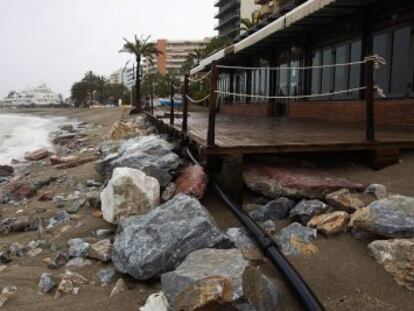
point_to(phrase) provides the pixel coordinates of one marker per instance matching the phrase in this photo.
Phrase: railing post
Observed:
(185, 103)
(152, 103)
(172, 103)
(369, 98)
(211, 132)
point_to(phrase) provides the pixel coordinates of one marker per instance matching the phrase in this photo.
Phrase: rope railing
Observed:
(197, 101)
(201, 78)
(327, 94)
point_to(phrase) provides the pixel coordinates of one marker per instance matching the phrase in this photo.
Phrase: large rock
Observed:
(157, 242)
(250, 250)
(397, 257)
(36, 155)
(6, 170)
(101, 250)
(392, 217)
(306, 209)
(121, 130)
(293, 182)
(192, 181)
(206, 277)
(276, 209)
(129, 192)
(330, 224)
(296, 240)
(347, 201)
(150, 154)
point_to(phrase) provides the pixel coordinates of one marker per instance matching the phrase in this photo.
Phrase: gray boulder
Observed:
(276, 209)
(150, 154)
(306, 209)
(78, 248)
(241, 239)
(296, 240)
(391, 217)
(207, 276)
(147, 246)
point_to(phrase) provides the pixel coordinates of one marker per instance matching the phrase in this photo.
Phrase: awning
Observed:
(312, 13)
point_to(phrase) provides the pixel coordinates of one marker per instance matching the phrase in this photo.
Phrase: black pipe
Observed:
(270, 249)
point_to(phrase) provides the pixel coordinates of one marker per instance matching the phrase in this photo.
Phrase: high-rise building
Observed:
(173, 55)
(230, 13)
(123, 76)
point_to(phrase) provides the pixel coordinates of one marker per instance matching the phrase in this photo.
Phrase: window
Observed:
(283, 80)
(327, 73)
(355, 70)
(316, 73)
(379, 47)
(341, 72)
(400, 72)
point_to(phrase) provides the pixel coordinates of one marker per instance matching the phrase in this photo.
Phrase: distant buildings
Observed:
(174, 53)
(231, 12)
(123, 76)
(41, 95)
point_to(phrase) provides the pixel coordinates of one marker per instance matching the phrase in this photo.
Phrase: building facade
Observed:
(319, 33)
(230, 12)
(125, 76)
(173, 55)
(41, 96)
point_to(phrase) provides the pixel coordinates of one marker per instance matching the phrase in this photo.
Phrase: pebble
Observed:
(105, 276)
(6, 294)
(46, 283)
(78, 248)
(119, 287)
(78, 262)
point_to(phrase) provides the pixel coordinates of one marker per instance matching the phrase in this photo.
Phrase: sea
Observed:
(20, 133)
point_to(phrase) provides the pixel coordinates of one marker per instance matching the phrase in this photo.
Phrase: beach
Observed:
(342, 275)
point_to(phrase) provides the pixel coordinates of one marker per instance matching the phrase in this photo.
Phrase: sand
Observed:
(342, 274)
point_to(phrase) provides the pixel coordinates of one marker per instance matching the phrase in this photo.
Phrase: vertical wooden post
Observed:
(211, 132)
(369, 98)
(172, 103)
(185, 104)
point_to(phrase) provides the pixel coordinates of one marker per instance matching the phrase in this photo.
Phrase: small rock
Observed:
(75, 278)
(6, 170)
(6, 294)
(78, 248)
(46, 283)
(269, 227)
(104, 233)
(65, 287)
(296, 240)
(2, 268)
(105, 276)
(5, 257)
(45, 196)
(392, 217)
(16, 250)
(59, 260)
(34, 252)
(397, 257)
(120, 286)
(93, 183)
(35, 244)
(60, 218)
(349, 202)
(129, 192)
(261, 291)
(36, 155)
(156, 302)
(94, 199)
(169, 192)
(245, 244)
(276, 209)
(54, 160)
(378, 190)
(192, 181)
(101, 250)
(78, 262)
(306, 209)
(330, 224)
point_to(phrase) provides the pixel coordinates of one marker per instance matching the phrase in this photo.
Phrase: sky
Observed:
(57, 41)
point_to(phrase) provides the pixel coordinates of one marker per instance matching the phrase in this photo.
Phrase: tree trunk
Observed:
(137, 106)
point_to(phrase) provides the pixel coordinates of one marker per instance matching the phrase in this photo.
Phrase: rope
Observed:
(295, 96)
(377, 59)
(200, 79)
(195, 101)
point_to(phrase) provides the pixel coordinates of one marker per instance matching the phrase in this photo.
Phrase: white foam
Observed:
(20, 133)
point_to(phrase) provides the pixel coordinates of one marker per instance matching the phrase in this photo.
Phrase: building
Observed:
(173, 55)
(125, 76)
(323, 32)
(41, 95)
(230, 12)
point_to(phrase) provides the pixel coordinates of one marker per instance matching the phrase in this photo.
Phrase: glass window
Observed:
(400, 73)
(294, 78)
(283, 79)
(355, 70)
(379, 47)
(341, 72)
(316, 73)
(327, 73)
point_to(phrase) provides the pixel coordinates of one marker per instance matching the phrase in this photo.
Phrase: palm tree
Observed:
(140, 49)
(246, 24)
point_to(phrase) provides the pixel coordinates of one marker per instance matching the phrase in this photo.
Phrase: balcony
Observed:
(227, 7)
(230, 19)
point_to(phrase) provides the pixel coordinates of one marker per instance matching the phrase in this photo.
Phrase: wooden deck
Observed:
(248, 135)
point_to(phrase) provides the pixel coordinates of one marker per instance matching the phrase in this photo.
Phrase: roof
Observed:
(310, 14)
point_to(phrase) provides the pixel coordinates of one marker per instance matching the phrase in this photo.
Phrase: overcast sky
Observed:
(57, 41)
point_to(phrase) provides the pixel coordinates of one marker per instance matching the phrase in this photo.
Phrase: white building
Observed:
(123, 76)
(41, 95)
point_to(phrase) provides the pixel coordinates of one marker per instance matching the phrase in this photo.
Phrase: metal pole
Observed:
(172, 103)
(185, 103)
(369, 98)
(212, 111)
